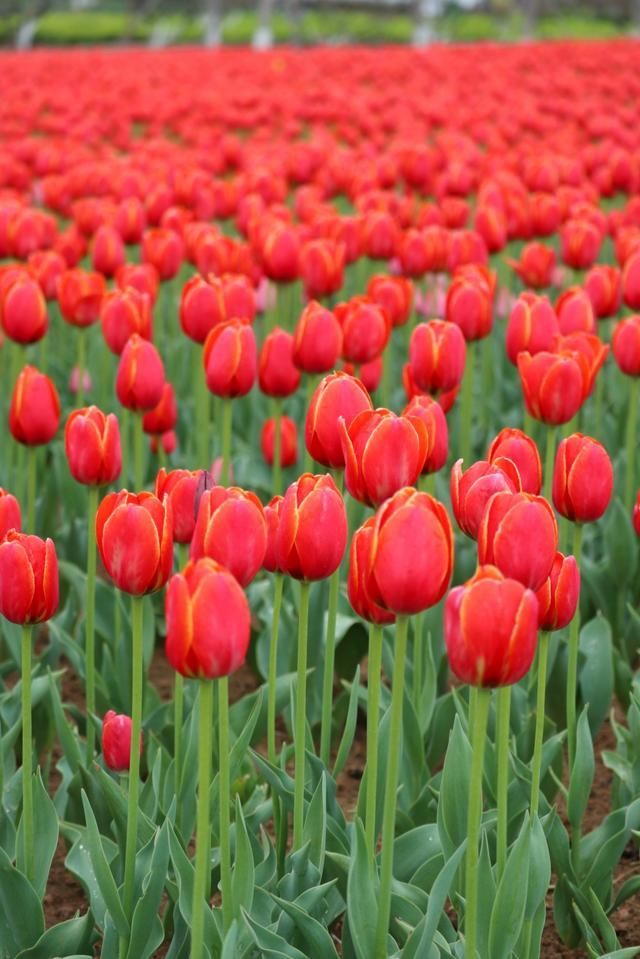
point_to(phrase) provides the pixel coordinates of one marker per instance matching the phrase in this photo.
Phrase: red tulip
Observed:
(575, 312)
(288, 441)
(164, 416)
(359, 575)
(34, 413)
(317, 340)
(532, 326)
(134, 533)
(140, 377)
(519, 534)
(280, 254)
(337, 396)
(107, 250)
(536, 265)
(230, 528)
(80, 296)
(23, 311)
(10, 517)
(29, 587)
(631, 280)
(180, 487)
(277, 374)
(626, 345)
(130, 219)
(92, 445)
(202, 307)
(123, 313)
(46, 266)
(582, 479)
(167, 441)
(635, 516)
(143, 277)
(604, 288)
(312, 534)
(379, 235)
(555, 385)
(432, 415)
(437, 355)
(470, 305)
(514, 445)
(116, 741)
(164, 249)
(394, 294)
(581, 241)
(230, 359)
(472, 490)
(272, 519)
(559, 594)
(366, 329)
(321, 267)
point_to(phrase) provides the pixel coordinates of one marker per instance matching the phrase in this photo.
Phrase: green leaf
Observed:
(316, 937)
(270, 943)
(454, 791)
(606, 930)
(628, 888)
(230, 944)
(243, 874)
(185, 878)
(68, 741)
(362, 895)
(620, 545)
(65, 939)
(582, 773)
(314, 830)
(596, 671)
(412, 849)
(349, 727)
(511, 898)
(21, 917)
(104, 876)
(45, 835)
(629, 953)
(142, 943)
(421, 938)
(539, 869)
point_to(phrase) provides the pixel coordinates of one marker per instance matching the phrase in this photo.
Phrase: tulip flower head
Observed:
(29, 587)
(559, 594)
(582, 479)
(116, 741)
(134, 535)
(231, 529)
(92, 445)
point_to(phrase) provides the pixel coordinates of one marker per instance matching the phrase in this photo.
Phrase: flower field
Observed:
(319, 505)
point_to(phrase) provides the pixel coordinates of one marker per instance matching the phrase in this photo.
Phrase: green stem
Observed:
(31, 488)
(418, 661)
(466, 404)
(474, 819)
(391, 788)
(27, 755)
(632, 443)
(202, 411)
(549, 461)
(137, 682)
(225, 799)
(599, 404)
(387, 358)
(273, 667)
(503, 697)
(543, 654)
(81, 363)
(90, 634)
(138, 453)
(178, 696)
(374, 683)
(487, 381)
(528, 425)
(572, 666)
(300, 717)
(310, 387)
(227, 422)
(329, 663)
(276, 469)
(203, 829)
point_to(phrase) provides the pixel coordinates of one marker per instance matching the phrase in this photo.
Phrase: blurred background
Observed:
(263, 23)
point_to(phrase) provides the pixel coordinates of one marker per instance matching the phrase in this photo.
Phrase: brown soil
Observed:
(65, 896)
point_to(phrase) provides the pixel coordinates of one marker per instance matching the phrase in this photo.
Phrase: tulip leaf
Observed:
(582, 772)
(243, 874)
(45, 835)
(486, 894)
(65, 939)
(539, 869)
(596, 672)
(316, 938)
(314, 830)
(68, 742)
(630, 887)
(21, 917)
(620, 545)
(453, 800)
(508, 910)
(629, 953)
(422, 936)
(349, 727)
(413, 848)
(102, 871)
(270, 943)
(143, 942)
(362, 896)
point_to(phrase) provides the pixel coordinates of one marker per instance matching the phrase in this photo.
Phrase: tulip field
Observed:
(319, 505)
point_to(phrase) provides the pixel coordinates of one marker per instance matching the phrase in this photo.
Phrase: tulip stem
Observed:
(374, 682)
(503, 697)
(27, 755)
(225, 798)
(387, 358)
(572, 666)
(548, 462)
(202, 411)
(227, 423)
(418, 660)
(81, 362)
(203, 829)
(90, 634)
(137, 681)
(276, 469)
(273, 667)
(329, 663)
(138, 453)
(300, 716)
(466, 404)
(310, 387)
(31, 488)
(543, 653)
(474, 819)
(178, 696)
(632, 441)
(391, 788)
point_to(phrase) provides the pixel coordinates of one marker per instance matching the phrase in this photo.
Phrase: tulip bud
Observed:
(10, 517)
(359, 575)
(635, 516)
(490, 629)
(80, 296)
(472, 490)
(240, 300)
(130, 219)
(379, 235)
(46, 266)
(437, 355)
(514, 445)
(532, 326)
(29, 588)
(536, 265)
(394, 294)
(337, 396)
(23, 311)
(272, 519)
(555, 385)
(321, 268)
(277, 374)
(107, 253)
(140, 377)
(230, 528)
(208, 621)
(432, 415)
(134, 534)
(180, 487)
(202, 307)
(580, 242)
(469, 305)
(92, 445)
(604, 288)
(317, 340)
(312, 535)
(288, 441)
(575, 312)
(582, 479)
(593, 354)
(116, 741)
(559, 594)
(626, 345)
(280, 254)
(164, 249)
(123, 313)
(366, 329)
(631, 280)
(518, 534)
(411, 558)
(143, 277)
(382, 453)
(34, 414)
(163, 417)
(230, 359)
(167, 441)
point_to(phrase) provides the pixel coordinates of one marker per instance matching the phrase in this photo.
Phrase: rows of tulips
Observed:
(313, 340)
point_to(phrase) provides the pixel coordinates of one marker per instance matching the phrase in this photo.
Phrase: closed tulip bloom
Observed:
(123, 313)
(520, 449)
(366, 329)
(604, 288)
(359, 574)
(382, 453)
(321, 267)
(80, 296)
(164, 249)
(582, 479)
(312, 534)
(555, 385)
(575, 311)
(168, 442)
(580, 243)
(180, 487)
(414, 253)
(411, 556)
(635, 516)
(559, 594)
(432, 415)
(278, 376)
(202, 307)
(280, 254)
(231, 529)
(116, 741)
(369, 374)
(240, 300)
(34, 413)
(472, 490)
(519, 534)
(380, 235)
(626, 345)
(272, 519)
(140, 376)
(10, 517)
(46, 266)
(469, 305)
(288, 441)
(532, 326)
(337, 396)
(394, 294)
(143, 277)
(208, 621)
(107, 250)
(593, 353)
(491, 629)
(536, 265)
(491, 223)
(437, 356)
(317, 339)
(230, 359)
(130, 219)
(92, 445)
(631, 281)
(134, 533)
(29, 587)
(163, 417)
(23, 311)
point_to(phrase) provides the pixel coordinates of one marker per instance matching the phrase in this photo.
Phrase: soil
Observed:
(65, 896)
